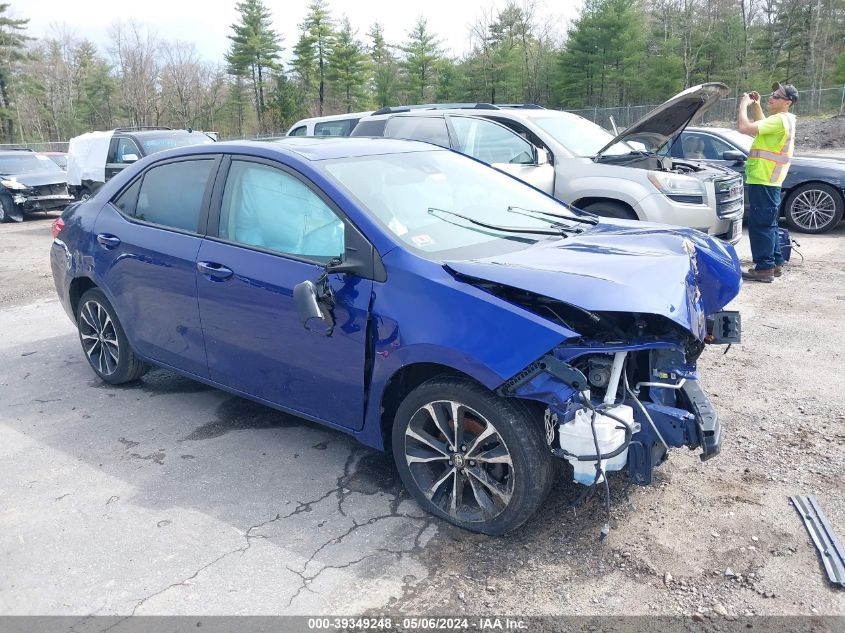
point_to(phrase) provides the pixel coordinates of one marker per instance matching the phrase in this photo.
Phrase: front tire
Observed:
(470, 457)
(7, 210)
(813, 208)
(104, 341)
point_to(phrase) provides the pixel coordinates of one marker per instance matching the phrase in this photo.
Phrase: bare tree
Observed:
(135, 51)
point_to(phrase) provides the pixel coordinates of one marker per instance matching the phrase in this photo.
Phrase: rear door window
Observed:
(428, 129)
(171, 194)
(374, 127)
(491, 142)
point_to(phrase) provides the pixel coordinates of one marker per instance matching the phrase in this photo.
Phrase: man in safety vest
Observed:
(765, 170)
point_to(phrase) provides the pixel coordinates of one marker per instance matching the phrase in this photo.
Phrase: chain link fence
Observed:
(810, 103)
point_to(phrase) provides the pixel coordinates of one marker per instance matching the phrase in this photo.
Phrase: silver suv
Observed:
(623, 176)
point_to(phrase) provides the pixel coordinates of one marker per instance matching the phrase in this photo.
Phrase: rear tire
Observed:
(499, 469)
(610, 209)
(104, 341)
(813, 208)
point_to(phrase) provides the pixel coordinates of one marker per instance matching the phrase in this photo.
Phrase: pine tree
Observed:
(314, 48)
(347, 66)
(12, 43)
(385, 75)
(255, 50)
(422, 52)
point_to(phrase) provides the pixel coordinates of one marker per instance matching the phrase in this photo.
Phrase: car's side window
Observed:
(714, 148)
(128, 198)
(127, 151)
(335, 128)
(300, 131)
(369, 128)
(491, 142)
(267, 207)
(429, 129)
(172, 194)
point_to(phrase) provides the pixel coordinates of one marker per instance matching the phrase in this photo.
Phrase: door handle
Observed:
(214, 271)
(107, 240)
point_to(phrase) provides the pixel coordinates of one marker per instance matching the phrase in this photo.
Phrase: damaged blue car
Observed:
(414, 298)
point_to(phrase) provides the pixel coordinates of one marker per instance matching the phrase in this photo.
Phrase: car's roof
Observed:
(323, 147)
(332, 117)
(715, 130)
(156, 133)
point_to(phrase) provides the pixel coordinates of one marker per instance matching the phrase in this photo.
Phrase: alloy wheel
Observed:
(459, 461)
(99, 337)
(813, 209)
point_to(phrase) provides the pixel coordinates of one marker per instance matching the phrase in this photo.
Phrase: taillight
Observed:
(58, 225)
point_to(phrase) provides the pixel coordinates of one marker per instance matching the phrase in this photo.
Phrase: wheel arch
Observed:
(584, 202)
(785, 193)
(404, 381)
(78, 287)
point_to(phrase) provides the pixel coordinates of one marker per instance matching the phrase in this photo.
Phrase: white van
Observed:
(333, 125)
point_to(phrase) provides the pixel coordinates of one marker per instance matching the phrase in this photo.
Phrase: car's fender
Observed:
(501, 341)
(572, 187)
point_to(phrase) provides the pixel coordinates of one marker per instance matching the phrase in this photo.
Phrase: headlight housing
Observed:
(679, 188)
(14, 185)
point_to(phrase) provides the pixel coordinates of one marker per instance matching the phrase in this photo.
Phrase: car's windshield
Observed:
(160, 142)
(579, 136)
(743, 141)
(26, 163)
(416, 196)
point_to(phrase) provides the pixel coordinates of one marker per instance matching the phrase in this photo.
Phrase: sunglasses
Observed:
(774, 95)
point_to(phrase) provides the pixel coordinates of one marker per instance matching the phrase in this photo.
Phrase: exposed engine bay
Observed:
(654, 162)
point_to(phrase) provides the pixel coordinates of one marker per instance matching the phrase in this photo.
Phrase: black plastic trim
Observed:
(706, 419)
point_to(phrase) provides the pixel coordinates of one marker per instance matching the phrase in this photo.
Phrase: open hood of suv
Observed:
(671, 117)
(631, 267)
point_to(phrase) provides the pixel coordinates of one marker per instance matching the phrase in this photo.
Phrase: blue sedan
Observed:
(411, 297)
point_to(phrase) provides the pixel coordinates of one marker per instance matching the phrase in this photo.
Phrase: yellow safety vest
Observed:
(771, 151)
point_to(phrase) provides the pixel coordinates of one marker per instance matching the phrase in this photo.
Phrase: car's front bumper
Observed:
(31, 203)
(658, 208)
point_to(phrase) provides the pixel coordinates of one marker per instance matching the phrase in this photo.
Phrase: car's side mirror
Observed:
(542, 156)
(736, 156)
(305, 300)
(130, 158)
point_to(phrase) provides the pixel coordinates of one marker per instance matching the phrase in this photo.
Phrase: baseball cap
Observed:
(788, 89)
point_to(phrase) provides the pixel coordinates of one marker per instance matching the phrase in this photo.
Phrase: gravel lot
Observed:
(168, 497)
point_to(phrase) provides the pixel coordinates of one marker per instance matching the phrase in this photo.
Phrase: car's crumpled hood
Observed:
(624, 266)
(38, 179)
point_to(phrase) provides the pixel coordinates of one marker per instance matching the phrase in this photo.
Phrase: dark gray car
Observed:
(813, 194)
(30, 182)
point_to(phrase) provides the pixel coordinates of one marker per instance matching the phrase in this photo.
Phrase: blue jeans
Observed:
(764, 203)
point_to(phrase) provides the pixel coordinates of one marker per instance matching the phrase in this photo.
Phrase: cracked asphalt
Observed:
(167, 497)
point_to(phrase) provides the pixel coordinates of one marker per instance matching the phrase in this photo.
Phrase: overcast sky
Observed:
(207, 23)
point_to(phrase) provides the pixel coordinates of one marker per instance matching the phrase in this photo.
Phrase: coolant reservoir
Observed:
(576, 437)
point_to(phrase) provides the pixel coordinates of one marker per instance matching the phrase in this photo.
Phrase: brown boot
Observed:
(766, 276)
(778, 271)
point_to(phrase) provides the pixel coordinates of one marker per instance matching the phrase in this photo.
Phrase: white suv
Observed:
(624, 177)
